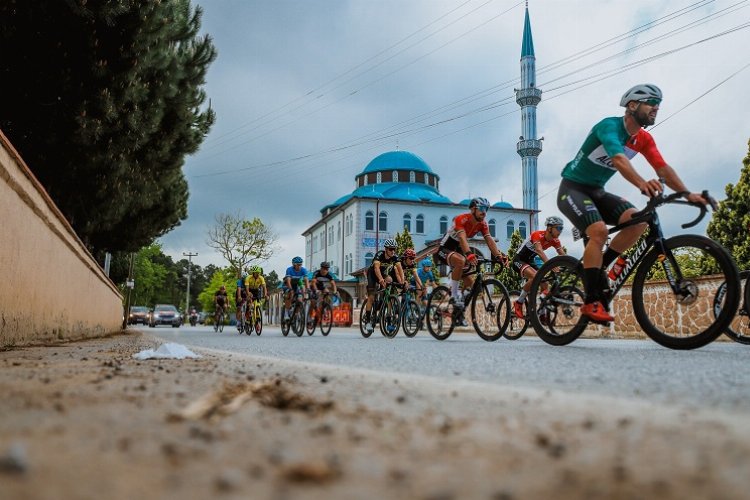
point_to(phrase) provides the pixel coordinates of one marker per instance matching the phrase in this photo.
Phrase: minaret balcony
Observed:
(529, 147)
(528, 97)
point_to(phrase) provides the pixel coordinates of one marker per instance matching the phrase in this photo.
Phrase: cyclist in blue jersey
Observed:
(294, 274)
(607, 150)
(240, 296)
(427, 277)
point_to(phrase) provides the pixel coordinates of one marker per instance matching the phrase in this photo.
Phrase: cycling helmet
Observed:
(553, 221)
(479, 202)
(426, 263)
(389, 243)
(255, 269)
(641, 93)
(325, 265)
(409, 253)
(297, 260)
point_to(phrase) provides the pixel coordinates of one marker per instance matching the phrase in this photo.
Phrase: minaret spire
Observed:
(528, 96)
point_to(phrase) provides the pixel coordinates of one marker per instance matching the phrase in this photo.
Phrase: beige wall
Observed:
(51, 288)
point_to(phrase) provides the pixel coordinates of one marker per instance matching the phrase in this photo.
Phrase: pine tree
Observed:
(508, 276)
(403, 241)
(104, 107)
(730, 223)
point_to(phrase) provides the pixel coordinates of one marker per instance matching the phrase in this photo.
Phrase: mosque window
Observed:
(510, 228)
(522, 229)
(364, 182)
(420, 224)
(330, 236)
(491, 224)
(421, 178)
(394, 176)
(369, 221)
(443, 224)
(368, 259)
(338, 232)
(412, 176)
(407, 222)
(378, 178)
(383, 221)
(347, 264)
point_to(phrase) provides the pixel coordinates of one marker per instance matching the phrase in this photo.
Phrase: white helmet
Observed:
(389, 243)
(553, 221)
(640, 93)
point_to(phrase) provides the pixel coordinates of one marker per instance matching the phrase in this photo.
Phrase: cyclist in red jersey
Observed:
(454, 248)
(534, 246)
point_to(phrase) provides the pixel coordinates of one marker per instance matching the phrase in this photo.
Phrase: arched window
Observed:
(420, 224)
(383, 221)
(491, 223)
(407, 222)
(522, 229)
(378, 178)
(365, 177)
(412, 176)
(443, 224)
(368, 259)
(510, 228)
(394, 176)
(370, 221)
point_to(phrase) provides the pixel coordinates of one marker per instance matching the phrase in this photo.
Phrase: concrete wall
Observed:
(51, 288)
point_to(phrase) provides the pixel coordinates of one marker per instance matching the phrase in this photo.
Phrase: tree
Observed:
(730, 223)
(220, 277)
(508, 276)
(150, 274)
(104, 107)
(241, 242)
(403, 241)
(272, 281)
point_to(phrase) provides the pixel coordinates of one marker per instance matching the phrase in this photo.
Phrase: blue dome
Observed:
(398, 160)
(465, 202)
(502, 204)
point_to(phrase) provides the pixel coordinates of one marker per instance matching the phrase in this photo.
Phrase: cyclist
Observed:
(427, 278)
(294, 274)
(240, 296)
(381, 272)
(454, 247)
(531, 249)
(255, 285)
(321, 279)
(407, 264)
(221, 301)
(607, 150)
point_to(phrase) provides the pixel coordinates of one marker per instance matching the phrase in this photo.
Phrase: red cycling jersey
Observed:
(466, 223)
(526, 251)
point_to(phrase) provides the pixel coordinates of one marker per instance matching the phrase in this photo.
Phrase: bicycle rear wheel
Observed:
(490, 310)
(679, 318)
(311, 321)
(439, 314)
(410, 318)
(390, 318)
(516, 326)
(221, 322)
(326, 319)
(362, 323)
(739, 329)
(298, 319)
(258, 323)
(555, 315)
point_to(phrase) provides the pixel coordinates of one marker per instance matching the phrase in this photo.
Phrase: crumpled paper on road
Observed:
(169, 350)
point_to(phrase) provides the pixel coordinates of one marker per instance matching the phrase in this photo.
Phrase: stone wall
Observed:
(51, 288)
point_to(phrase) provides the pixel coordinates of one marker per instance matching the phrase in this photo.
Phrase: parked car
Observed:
(165, 314)
(138, 314)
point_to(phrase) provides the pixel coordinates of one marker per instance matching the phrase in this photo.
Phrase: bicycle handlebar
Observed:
(660, 199)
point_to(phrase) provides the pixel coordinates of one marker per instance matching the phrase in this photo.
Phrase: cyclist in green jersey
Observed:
(607, 150)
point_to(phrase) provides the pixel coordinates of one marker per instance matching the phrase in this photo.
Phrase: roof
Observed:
(502, 204)
(393, 191)
(398, 160)
(527, 46)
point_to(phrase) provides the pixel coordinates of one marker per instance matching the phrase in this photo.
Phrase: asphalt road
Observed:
(715, 377)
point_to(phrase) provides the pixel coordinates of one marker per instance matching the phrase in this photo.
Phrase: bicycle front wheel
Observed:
(311, 321)
(516, 326)
(364, 324)
(490, 310)
(555, 300)
(258, 323)
(390, 318)
(298, 319)
(674, 292)
(439, 314)
(410, 318)
(221, 322)
(326, 319)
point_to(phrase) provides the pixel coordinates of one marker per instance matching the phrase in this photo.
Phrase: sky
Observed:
(306, 93)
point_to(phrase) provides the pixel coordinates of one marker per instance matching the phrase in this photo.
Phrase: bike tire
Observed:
(516, 326)
(739, 329)
(298, 319)
(390, 318)
(555, 316)
(326, 319)
(655, 314)
(439, 316)
(221, 323)
(411, 317)
(362, 324)
(311, 320)
(490, 310)
(258, 324)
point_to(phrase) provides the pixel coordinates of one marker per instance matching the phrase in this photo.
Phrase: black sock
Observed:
(591, 284)
(609, 257)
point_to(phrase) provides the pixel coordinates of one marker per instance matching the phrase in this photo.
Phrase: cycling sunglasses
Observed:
(559, 228)
(482, 209)
(651, 102)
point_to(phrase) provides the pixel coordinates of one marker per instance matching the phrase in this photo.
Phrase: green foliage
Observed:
(403, 241)
(272, 281)
(104, 107)
(220, 277)
(730, 223)
(240, 241)
(507, 276)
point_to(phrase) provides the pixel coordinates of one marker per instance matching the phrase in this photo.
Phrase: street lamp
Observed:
(187, 295)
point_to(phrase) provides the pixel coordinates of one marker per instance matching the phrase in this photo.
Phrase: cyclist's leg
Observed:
(457, 262)
(616, 210)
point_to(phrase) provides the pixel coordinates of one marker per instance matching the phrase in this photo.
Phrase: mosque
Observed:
(398, 190)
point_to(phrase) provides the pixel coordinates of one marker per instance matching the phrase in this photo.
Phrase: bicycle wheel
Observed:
(739, 329)
(258, 320)
(216, 323)
(221, 322)
(298, 319)
(516, 326)
(490, 310)
(311, 319)
(410, 318)
(285, 325)
(679, 318)
(362, 323)
(326, 319)
(390, 318)
(555, 315)
(439, 314)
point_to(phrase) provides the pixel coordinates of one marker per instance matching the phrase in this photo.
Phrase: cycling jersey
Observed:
(220, 297)
(593, 163)
(468, 224)
(322, 280)
(527, 252)
(425, 276)
(241, 283)
(295, 276)
(254, 283)
(387, 266)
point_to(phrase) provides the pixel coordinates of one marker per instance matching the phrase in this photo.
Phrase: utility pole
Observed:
(190, 265)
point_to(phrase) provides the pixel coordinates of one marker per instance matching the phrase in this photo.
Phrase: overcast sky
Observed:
(308, 92)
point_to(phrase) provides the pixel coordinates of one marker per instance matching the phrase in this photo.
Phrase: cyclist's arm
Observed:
(376, 269)
(540, 251)
(417, 280)
(463, 242)
(399, 273)
(493, 246)
(623, 165)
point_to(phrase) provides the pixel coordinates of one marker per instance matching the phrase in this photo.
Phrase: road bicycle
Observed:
(488, 301)
(673, 289)
(296, 319)
(385, 312)
(322, 314)
(411, 312)
(219, 321)
(252, 317)
(739, 329)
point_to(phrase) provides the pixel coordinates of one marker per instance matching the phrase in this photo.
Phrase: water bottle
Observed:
(617, 268)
